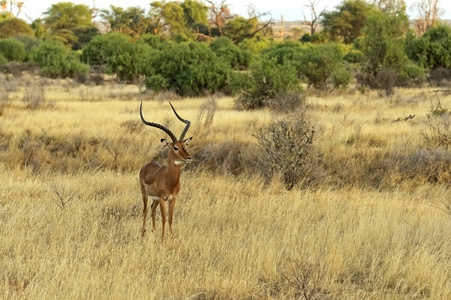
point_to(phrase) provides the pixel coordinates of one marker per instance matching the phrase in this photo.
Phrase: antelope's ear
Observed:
(186, 142)
(165, 143)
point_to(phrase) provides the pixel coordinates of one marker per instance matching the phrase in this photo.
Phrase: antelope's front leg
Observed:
(163, 217)
(171, 213)
(154, 212)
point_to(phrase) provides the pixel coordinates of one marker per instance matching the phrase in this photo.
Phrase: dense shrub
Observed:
(341, 78)
(16, 69)
(433, 49)
(318, 64)
(411, 75)
(287, 101)
(3, 60)
(190, 69)
(287, 52)
(238, 59)
(14, 27)
(12, 50)
(383, 46)
(438, 132)
(154, 41)
(122, 56)
(386, 81)
(264, 82)
(55, 61)
(439, 77)
(30, 44)
(354, 56)
(255, 45)
(286, 148)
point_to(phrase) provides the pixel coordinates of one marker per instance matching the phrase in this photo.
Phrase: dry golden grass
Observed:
(70, 220)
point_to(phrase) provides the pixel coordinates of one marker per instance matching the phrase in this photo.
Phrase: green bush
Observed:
(433, 49)
(12, 50)
(190, 69)
(3, 60)
(306, 38)
(122, 56)
(287, 52)
(411, 74)
(238, 59)
(354, 56)
(55, 61)
(341, 78)
(157, 83)
(264, 82)
(30, 44)
(154, 41)
(317, 38)
(255, 45)
(14, 26)
(319, 62)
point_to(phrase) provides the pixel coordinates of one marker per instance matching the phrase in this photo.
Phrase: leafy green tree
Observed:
(118, 52)
(64, 36)
(383, 44)
(319, 63)
(39, 28)
(433, 49)
(238, 59)
(354, 56)
(411, 75)
(341, 78)
(67, 15)
(347, 21)
(12, 50)
(255, 45)
(66, 22)
(190, 69)
(175, 17)
(84, 35)
(287, 52)
(131, 20)
(154, 41)
(391, 6)
(156, 17)
(30, 44)
(266, 80)
(13, 27)
(195, 13)
(239, 28)
(56, 61)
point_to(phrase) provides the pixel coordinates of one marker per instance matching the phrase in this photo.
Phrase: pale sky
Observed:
(291, 9)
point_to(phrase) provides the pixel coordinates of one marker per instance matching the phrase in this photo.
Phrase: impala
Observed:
(162, 183)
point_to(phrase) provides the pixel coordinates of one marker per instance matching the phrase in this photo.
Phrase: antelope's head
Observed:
(177, 147)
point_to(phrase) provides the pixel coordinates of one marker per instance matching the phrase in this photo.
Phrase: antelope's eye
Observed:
(176, 148)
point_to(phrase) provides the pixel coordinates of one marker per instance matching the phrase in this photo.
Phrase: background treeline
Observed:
(195, 48)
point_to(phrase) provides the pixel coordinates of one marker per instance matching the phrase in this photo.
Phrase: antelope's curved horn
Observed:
(188, 123)
(174, 139)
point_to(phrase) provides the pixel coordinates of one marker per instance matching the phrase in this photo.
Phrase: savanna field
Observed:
(373, 220)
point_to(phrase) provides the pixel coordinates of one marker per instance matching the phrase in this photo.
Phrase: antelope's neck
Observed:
(174, 170)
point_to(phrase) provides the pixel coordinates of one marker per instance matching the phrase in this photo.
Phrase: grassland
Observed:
(374, 226)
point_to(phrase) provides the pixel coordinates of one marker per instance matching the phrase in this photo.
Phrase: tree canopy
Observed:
(347, 21)
(67, 15)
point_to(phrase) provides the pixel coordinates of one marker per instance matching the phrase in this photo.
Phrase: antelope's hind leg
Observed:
(145, 199)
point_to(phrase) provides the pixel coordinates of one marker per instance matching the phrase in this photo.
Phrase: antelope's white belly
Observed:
(155, 198)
